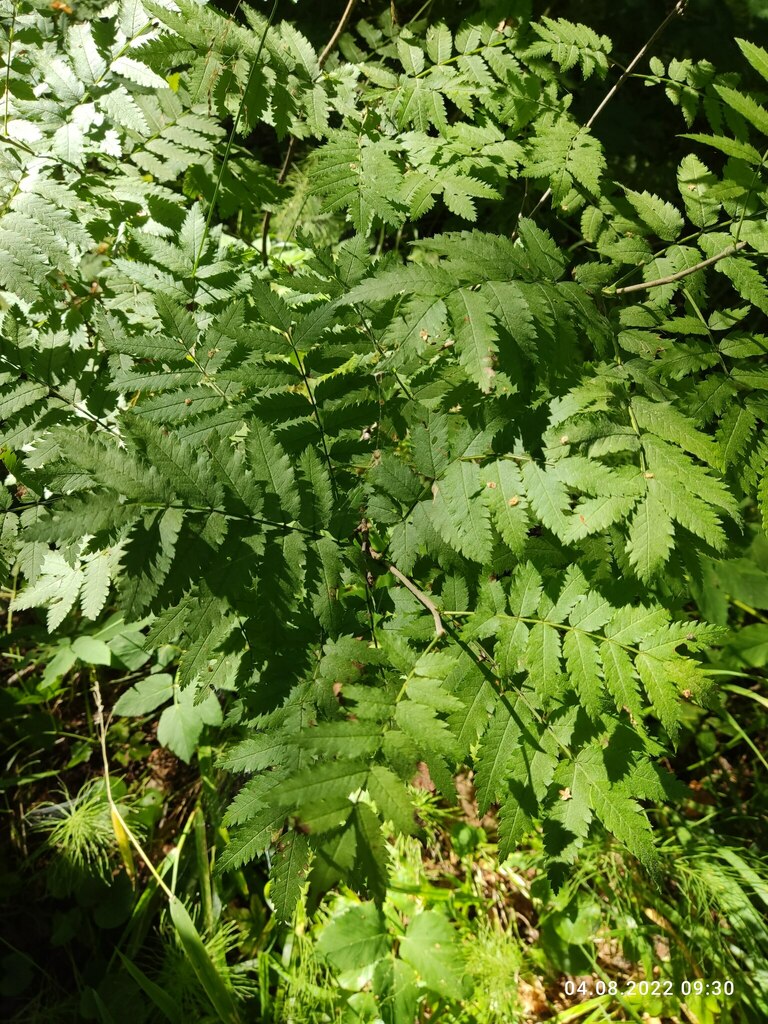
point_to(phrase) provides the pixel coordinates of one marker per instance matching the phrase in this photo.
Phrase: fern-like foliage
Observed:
(407, 516)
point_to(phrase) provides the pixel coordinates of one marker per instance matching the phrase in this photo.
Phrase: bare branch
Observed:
(336, 34)
(420, 596)
(671, 278)
(677, 9)
(409, 585)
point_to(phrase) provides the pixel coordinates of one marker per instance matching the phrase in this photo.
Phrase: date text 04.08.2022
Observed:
(684, 988)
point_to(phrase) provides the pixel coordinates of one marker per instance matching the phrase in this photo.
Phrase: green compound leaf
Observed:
(437, 469)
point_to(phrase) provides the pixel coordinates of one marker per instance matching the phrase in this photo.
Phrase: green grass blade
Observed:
(204, 868)
(165, 1003)
(738, 729)
(744, 692)
(101, 1008)
(218, 993)
(747, 873)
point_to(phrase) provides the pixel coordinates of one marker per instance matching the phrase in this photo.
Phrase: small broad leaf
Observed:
(395, 985)
(92, 650)
(355, 939)
(430, 947)
(146, 695)
(182, 723)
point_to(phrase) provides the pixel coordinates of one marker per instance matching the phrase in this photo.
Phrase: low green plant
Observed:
(80, 833)
(530, 951)
(704, 924)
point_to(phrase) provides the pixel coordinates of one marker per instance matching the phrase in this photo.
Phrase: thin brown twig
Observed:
(330, 45)
(671, 278)
(676, 10)
(22, 673)
(419, 595)
(327, 51)
(409, 585)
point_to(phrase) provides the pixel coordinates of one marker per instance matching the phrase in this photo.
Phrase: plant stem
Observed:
(9, 619)
(677, 9)
(409, 585)
(316, 413)
(420, 596)
(671, 278)
(748, 609)
(117, 817)
(329, 46)
(204, 868)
